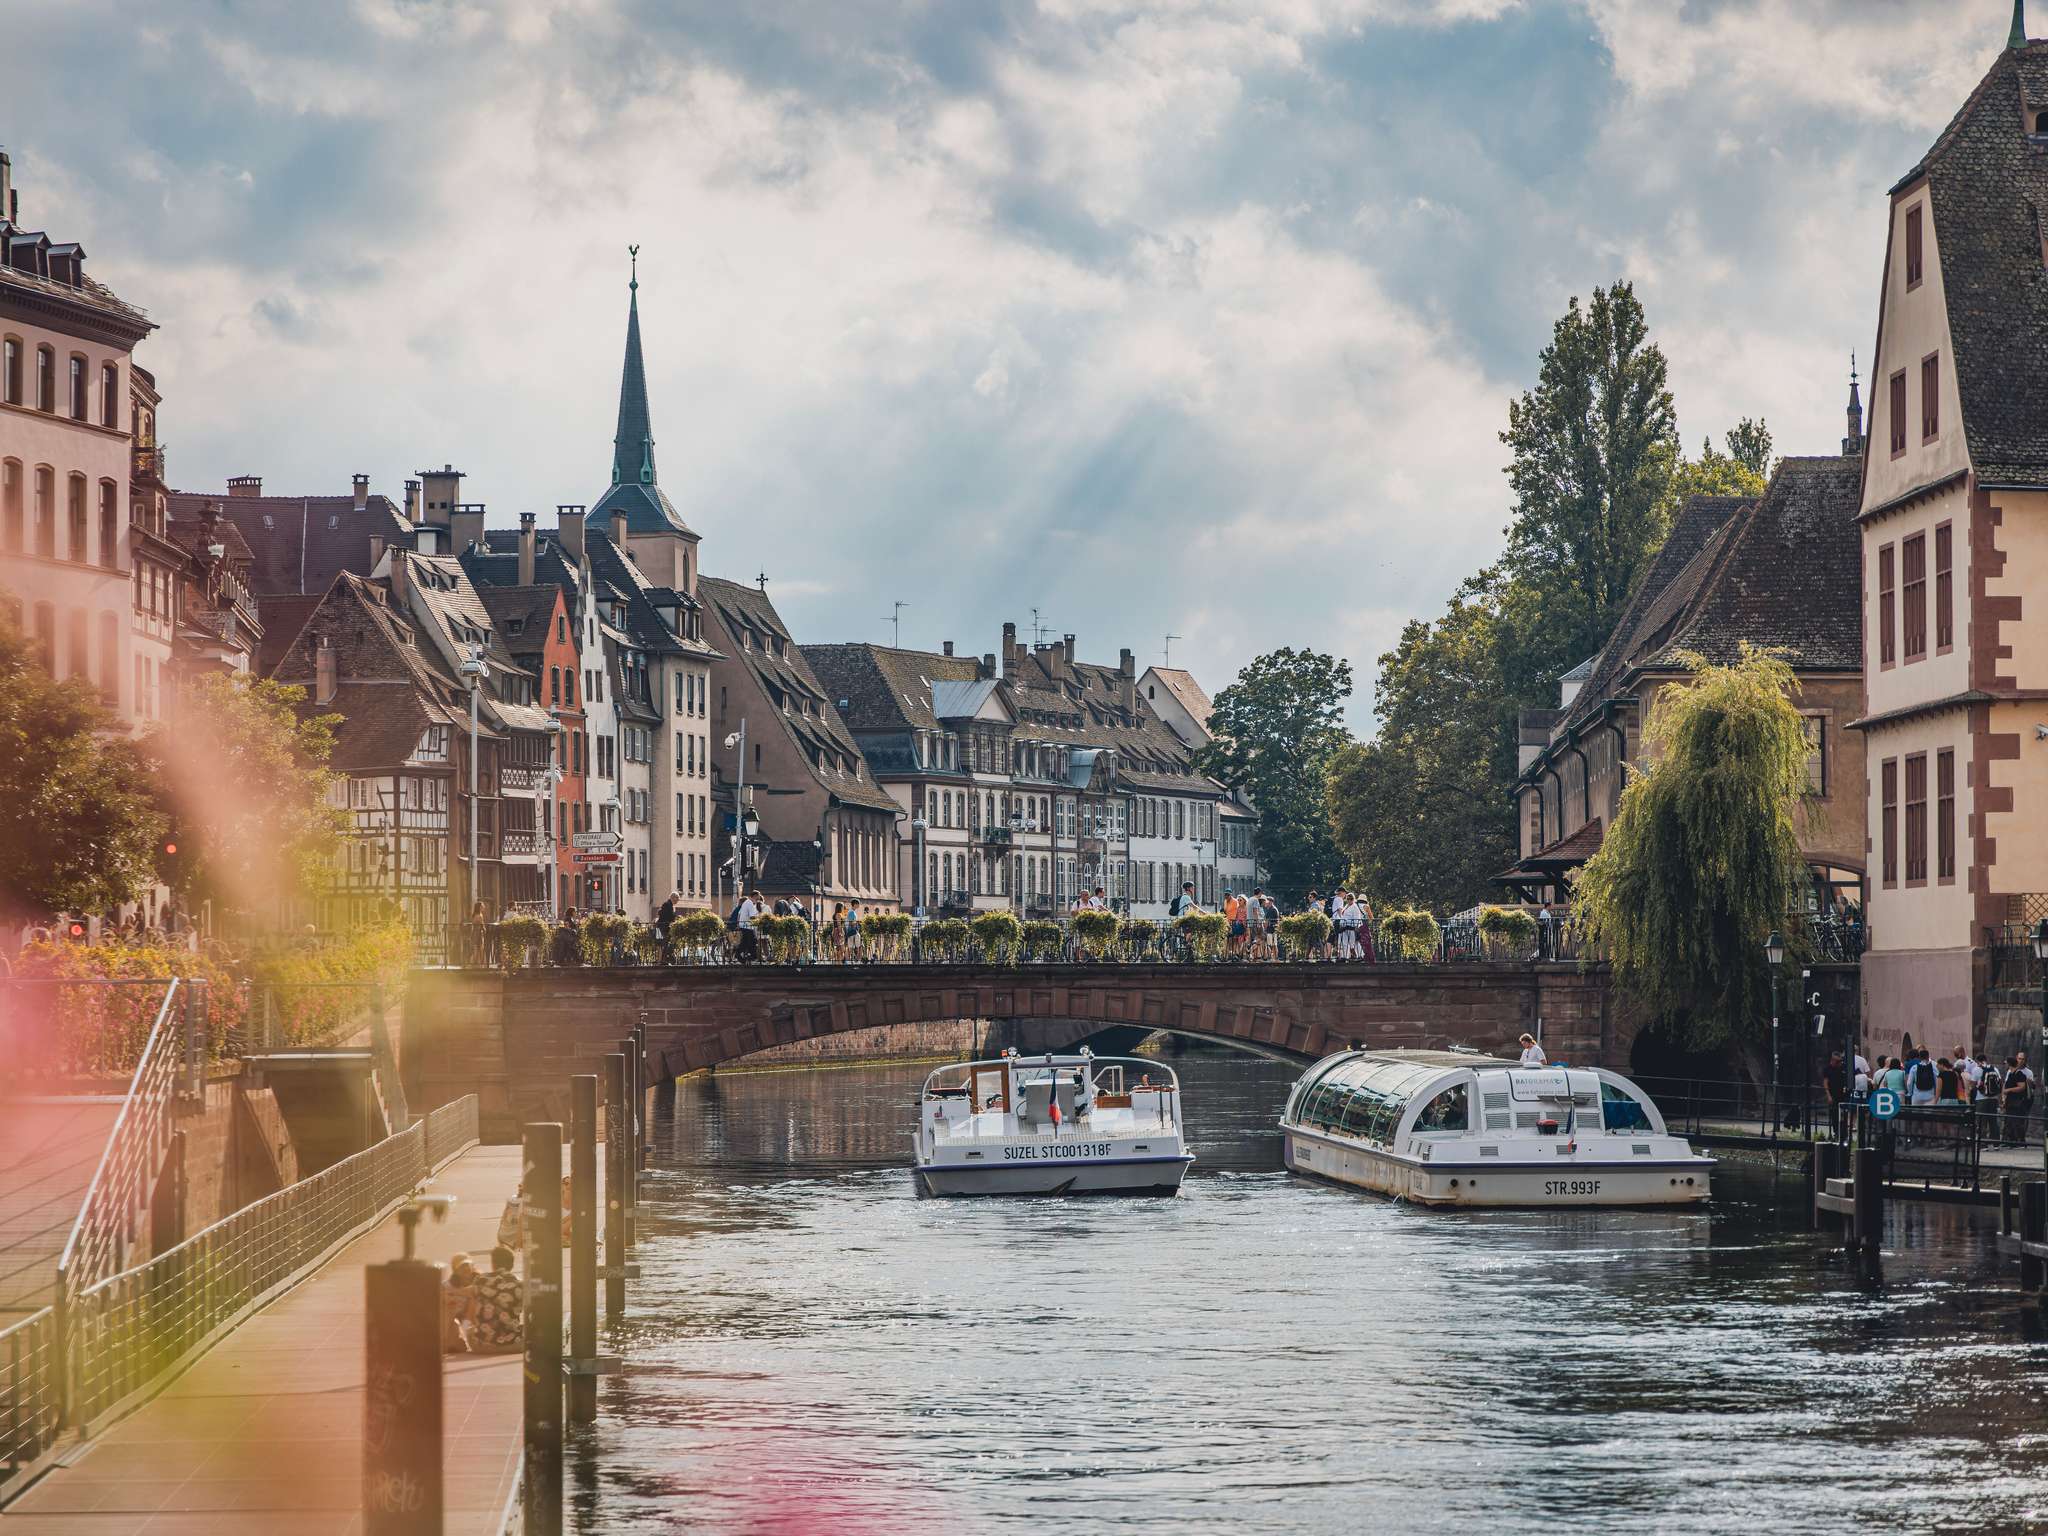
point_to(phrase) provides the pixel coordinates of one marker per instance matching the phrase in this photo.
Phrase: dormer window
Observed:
(2041, 124)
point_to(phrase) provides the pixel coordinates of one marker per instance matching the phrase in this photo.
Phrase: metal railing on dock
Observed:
(109, 1343)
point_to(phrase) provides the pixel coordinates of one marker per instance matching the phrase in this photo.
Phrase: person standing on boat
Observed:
(1532, 1053)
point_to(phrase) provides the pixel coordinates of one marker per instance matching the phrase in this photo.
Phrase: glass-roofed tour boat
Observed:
(1461, 1128)
(1051, 1125)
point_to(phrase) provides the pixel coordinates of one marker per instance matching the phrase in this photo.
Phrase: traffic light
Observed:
(76, 930)
(173, 860)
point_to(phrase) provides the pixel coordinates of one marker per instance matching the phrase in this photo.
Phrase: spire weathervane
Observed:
(633, 251)
(2018, 37)
(761, 581)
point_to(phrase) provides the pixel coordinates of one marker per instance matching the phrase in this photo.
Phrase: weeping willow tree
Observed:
(1703, 859)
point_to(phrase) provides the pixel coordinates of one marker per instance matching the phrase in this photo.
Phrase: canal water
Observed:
(815, 1349)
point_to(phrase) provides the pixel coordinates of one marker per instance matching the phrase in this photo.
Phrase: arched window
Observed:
(81, 658)
(10, 372)
(46, 379)
(110, 395)
(46, 511)
(10, 504)
(110, 660)
(46, 637)
(75, 504)
(77, 387)
(110, 525)
(2041, 122)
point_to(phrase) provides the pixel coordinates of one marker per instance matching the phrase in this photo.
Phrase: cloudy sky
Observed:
(1190, 316)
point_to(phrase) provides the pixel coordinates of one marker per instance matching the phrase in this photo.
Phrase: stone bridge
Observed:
(515, 1038)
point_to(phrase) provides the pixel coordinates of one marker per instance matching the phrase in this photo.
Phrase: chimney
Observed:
(465, 526)
(1067, 645)
(412, 501)
(324, 677)
(376, 550)
(987, 669)
(569, 530)
(526, 538)
(949, 647)
(400, 599)
(362, 490)
(6, 186)
(1009, 649)
(618, 529)
(441, 491)
(245, 485)
(1127, 680)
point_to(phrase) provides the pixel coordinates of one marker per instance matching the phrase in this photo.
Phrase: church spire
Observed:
(1852, 445)
(633, 446)
(2018, 37)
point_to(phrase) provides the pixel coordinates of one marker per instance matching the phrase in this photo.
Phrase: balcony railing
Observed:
(514, 779)
(2010, 947)
(149, 462)
(525, 845)
(997, 835)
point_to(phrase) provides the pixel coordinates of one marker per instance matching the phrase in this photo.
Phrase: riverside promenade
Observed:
(264, 1434)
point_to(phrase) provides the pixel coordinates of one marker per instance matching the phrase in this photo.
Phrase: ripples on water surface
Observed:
(814, 1349)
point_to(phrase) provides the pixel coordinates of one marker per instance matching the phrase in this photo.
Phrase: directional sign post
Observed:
(594, 858)
(597, 842)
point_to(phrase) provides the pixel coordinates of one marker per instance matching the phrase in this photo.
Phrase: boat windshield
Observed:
(1364, 1098)
(1450, 1110)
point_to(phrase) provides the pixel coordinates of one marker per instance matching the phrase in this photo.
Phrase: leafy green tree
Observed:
(241, 772)
(1749, 444)
(1275, 730)
(1422, 810)
(1594, 445)
(81, 830)
(1715, 473)
(1703, 859)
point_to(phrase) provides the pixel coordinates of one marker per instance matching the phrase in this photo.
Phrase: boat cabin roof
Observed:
(1507, 1096)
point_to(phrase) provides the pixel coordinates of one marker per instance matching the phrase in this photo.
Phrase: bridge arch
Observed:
(515, 1038)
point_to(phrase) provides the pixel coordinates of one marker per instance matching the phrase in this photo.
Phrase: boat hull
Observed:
(1116, 1176)
(1564, 1183)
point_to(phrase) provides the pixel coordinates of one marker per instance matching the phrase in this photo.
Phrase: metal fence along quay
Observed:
(108, 1344)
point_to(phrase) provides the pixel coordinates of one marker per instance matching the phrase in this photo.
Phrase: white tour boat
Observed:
(1051, 1125)
(1460, 1128)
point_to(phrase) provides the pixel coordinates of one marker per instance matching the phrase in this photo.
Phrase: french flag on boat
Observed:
(1053, 1103)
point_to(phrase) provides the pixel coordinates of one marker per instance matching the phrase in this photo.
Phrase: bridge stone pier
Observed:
(515, 1038)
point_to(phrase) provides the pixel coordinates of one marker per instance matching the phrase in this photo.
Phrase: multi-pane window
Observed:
(1898, 413)
(1916, 819)
(46, 379)
(1887, 639)
(1915, 248)
(75, 506)
(1913, 557)
(1945, 814)
(1944, 587)
(1816, 729)
(10, 372)
(110, 395)
(1889, 775)
(1930, 397)
(11, 531)
(78, 389)
(110, 525)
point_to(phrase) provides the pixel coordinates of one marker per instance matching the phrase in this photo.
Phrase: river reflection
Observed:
(815, 1349)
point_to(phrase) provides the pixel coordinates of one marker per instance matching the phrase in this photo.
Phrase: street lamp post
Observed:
(2041, 954)
(919, 896)
(1774, 952)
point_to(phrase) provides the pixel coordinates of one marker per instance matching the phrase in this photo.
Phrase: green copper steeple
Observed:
(2018, 37)
(633, 447)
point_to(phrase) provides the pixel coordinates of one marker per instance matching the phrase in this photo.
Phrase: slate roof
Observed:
(884, 688)
(1785, 573)
(789, 676)
(91, 295)
(1987, 181)
(521, 615)
(310, 539)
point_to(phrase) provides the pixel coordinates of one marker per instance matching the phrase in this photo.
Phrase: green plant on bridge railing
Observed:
(1416, 932)
(519, 939)
(643, 945)
(696, 933)
(784, 940)
(1095, 932)
(599, 932)
(997, 933)
(1043, 940)
(1204, 933)
(1507, 930)
(884, 933)
(1303, 935)
(1137, 938)
(943, 938)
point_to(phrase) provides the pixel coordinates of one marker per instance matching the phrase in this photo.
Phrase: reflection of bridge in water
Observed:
(515, 1038)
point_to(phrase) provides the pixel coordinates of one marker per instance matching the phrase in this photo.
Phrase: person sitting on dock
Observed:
(497, 1307)
(458, 1305)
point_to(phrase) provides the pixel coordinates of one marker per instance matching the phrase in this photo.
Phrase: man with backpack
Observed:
(1922, 1080)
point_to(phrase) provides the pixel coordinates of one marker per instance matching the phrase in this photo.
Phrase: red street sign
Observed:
(594, 858)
